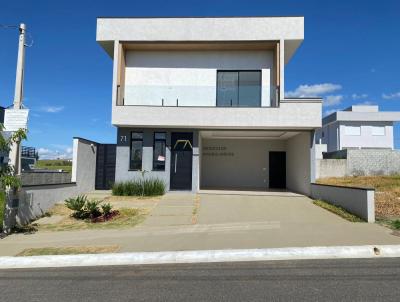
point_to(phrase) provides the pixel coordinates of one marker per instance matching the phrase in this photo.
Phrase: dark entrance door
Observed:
(181, 161)
(277, 170)
(105, 166)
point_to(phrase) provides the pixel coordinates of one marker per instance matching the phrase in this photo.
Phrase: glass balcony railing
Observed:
(196, 96)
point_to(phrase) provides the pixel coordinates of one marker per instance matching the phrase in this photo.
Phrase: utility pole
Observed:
(12, 198)
(15, 153)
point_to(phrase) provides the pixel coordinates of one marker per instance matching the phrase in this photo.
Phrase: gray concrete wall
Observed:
(359, 162)
(122, 171)
(373, 162)
(37, 199)
(45, 178)
(298, 163)
(358, 201)
(331, 168)
(237, 163)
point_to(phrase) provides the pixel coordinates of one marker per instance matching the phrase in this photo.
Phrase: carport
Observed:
(255, 160)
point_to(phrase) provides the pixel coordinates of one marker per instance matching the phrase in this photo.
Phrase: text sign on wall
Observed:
(15, 119)
(216, 151)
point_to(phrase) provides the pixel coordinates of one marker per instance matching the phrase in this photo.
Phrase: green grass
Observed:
(54, 164)
(396, 224)
(139, 187)
(2, 208)
(338, 211)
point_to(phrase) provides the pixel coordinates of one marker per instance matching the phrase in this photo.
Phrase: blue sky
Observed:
(350, 55)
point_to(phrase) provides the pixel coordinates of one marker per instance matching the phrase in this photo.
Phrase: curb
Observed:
(206, 256)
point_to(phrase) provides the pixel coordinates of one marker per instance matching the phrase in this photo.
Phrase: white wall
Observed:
(245, 163)
(298, 163)
(366, 139)
(190, 76)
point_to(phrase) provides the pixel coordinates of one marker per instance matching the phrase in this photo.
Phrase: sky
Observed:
(350, 55)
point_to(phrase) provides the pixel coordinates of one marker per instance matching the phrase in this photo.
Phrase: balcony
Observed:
(197, 96)
(290, 114)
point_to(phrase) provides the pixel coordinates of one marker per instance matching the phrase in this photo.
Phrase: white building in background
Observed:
(199, 102)
(358, 127)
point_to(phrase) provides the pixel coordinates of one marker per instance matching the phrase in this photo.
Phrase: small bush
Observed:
(92, 208)
(139, 187)
(106, 208)
(83, 208)
(77, 205)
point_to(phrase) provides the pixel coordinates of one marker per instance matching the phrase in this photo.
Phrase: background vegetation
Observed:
(54, 164)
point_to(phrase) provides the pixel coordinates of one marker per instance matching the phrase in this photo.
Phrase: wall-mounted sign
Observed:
(15, 119)
(216, 151)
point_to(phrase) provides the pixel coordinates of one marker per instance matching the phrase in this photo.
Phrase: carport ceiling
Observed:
(281, 135)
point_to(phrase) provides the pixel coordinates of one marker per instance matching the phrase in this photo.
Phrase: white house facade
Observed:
(358, 127)
(199, 102)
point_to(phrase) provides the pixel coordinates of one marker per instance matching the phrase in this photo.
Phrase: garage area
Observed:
(255, 160)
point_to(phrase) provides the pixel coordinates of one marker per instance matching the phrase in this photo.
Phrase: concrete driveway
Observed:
(183, 221)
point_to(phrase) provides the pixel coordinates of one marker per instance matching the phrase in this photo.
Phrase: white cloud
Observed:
(315, 90)
(391, 96)
(356, 96)
(366, 103)
(45, 153)
(52, 109)
(331, 100)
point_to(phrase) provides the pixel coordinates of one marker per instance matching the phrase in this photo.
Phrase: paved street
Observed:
(312, 280)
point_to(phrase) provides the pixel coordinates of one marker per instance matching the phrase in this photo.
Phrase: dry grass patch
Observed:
(73, 250)
(387, 191)
(128, 217)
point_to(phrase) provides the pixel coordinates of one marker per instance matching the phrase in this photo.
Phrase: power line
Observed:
(8, 26)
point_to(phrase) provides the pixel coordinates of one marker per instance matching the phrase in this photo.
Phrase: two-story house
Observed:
(199, 102)
(358, 127)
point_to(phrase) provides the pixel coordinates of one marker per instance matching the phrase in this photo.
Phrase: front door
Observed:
(181, 161)
(277, 170)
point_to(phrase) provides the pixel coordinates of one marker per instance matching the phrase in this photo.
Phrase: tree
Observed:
(9, 181)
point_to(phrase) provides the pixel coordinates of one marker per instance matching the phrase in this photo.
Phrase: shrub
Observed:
(139, 187)
(92, 208)
(106, 208)
(77, 205)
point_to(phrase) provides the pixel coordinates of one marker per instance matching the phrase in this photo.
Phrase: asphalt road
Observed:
(316, 280)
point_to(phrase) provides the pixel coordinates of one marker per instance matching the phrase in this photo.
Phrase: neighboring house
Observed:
(199, 102)
(358, 127)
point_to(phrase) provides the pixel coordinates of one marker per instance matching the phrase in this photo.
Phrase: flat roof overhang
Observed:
(350, 116)
(196, 31)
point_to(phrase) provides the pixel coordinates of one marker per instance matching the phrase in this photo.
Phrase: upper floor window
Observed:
(352, 130)
(160, 142)
(239, 88)
(136, 151)
(378, 130)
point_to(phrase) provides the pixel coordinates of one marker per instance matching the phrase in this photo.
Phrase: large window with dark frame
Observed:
(159, 147)
(240, 88)
(136, 151)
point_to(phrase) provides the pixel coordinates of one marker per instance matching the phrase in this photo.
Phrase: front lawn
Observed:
(128, 217)
(387, 194)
